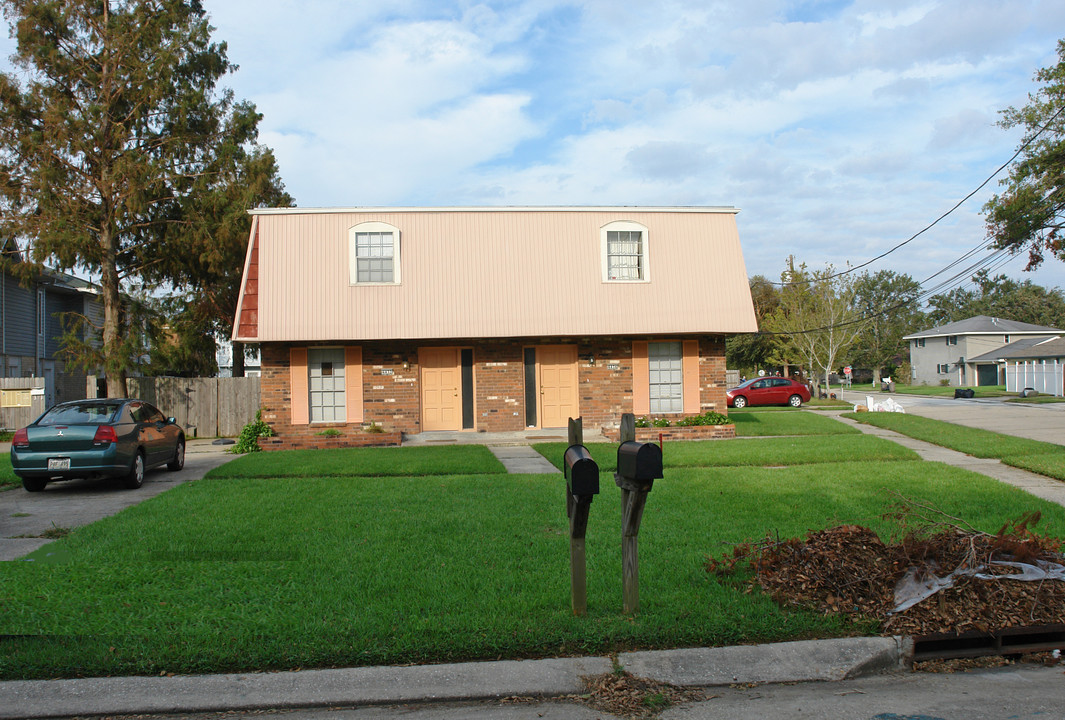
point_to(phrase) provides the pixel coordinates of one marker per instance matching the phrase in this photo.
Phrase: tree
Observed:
(751, 351)
(817, 316)
(117, 151)
(1029, 213)
(889, 303)
(1001, 297)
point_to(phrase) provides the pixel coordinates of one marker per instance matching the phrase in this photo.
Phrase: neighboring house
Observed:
(1037, 363)
(31, 327)
(224, 357)
(490, 319)
(957, 352)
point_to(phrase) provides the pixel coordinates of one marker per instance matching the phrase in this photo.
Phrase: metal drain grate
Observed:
(1009, 641)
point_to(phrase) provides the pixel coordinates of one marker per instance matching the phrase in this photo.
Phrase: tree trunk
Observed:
(238, 359)
(112, 333)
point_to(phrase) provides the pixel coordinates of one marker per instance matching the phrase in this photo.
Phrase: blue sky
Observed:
(838, 128)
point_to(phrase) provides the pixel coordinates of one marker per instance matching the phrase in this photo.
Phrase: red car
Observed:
(768, 391)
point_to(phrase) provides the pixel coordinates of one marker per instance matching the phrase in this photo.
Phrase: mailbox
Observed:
(641, 462)
(582, 473)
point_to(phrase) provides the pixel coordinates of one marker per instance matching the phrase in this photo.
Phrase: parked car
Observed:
(768, 391)
(96, 438)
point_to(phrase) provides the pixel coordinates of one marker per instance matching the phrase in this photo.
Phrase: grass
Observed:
(759, 423)
(948, 391)
(751, 452)
(244, 574)
(8, 478)
(1049, 464)
(363, 462)
(971, 441)
(1037, 400)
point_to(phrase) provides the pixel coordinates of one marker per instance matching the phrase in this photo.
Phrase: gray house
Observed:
(958, 352)
(31, 326)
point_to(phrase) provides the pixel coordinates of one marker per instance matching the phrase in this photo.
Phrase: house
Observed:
(31, 325)
(1037, 363)
(956, 352)
(490, 319)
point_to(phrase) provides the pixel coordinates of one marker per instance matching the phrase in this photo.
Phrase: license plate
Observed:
(58, 463)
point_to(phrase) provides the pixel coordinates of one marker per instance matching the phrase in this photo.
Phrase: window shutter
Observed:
(300, 399)
(641, 379)
(353, 382)
(692, 402)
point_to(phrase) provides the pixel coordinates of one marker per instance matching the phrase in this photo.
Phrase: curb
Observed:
(809, 660)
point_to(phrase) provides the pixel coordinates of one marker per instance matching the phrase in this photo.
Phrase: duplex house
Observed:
(958, 352)
(490, 319)
(1037, 362)
(31, 325)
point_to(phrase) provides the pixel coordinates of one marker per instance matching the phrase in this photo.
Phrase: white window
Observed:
(952, 340)
(665, 361)
(325, 368)
(623, 247)
(373, 249)
(918, 342)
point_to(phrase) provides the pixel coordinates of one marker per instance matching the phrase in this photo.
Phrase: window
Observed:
(952, 340)
(943, 369)
(1006, 339)
(325, 383)
(919, 342)
(665, 362)
(374, 254)
(623, 246)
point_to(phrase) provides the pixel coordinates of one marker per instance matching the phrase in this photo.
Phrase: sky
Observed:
(839, 129)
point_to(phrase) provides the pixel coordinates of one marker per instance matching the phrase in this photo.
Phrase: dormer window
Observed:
(623, 246)
(373, 249)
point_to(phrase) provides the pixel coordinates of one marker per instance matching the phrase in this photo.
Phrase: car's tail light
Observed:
(105, 435)
(21, 439)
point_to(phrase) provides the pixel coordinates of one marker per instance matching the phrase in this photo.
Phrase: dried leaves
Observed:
(629, 696)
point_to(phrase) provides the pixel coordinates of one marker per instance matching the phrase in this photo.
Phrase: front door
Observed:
(558, 384)
(441, 389)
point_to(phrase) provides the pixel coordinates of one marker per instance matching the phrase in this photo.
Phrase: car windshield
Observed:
(747, 383)
(80, 414)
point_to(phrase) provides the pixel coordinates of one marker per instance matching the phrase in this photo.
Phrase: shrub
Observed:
(248, 440)
(708, 418)
(328, 432)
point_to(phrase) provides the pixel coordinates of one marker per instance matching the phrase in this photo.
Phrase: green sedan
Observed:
(96, 438)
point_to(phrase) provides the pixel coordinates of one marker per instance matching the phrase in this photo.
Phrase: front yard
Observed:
(329, 560)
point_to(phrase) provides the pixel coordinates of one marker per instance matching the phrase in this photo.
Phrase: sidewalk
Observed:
(813, 660)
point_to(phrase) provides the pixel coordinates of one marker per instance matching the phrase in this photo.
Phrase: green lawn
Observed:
(947, 391)
(246, 574)
(971, 441)
(759, 422)
(770, 451)
(364, 462)
(8, 479)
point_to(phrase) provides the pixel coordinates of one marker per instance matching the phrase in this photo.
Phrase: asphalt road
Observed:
(25, 516)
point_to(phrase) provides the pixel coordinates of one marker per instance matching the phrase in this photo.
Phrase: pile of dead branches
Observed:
(849, 570)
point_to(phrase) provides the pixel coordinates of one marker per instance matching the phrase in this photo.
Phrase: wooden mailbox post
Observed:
(639, 464)
(582, 484)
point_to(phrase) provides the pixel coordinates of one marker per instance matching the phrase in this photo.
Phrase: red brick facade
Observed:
(391, 391)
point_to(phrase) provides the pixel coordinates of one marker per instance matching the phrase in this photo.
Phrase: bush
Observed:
(248, 441)
(708, 418)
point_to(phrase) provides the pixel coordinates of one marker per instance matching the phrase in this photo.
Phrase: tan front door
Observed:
(441, 389)
(558, 384)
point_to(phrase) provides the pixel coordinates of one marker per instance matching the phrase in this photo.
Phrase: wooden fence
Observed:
(21, 401)
(213, 407)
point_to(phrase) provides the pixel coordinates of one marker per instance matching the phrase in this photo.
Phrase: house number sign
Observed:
(387, 371)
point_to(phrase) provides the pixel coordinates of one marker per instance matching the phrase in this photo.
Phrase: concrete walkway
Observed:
(522, 460)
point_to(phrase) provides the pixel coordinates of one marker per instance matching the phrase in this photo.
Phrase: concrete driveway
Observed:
(1036, 422)
(79, 502)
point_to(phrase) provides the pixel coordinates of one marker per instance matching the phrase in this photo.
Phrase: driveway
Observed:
(25, 516)
(1036, 422)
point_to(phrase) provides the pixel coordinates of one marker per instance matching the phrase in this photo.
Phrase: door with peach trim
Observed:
(558, 384)
(441, 388)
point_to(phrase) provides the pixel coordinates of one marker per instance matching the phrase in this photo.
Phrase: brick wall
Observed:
(390, 373)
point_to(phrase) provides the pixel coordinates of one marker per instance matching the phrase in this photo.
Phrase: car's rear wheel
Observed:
(135, 478)
(740, 402)
(179, 457)
(33, 484)
(795, 401)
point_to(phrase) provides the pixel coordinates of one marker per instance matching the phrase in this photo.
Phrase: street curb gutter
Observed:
(814, 660)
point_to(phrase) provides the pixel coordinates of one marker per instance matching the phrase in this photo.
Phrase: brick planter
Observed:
(346, 439)
(693, 432)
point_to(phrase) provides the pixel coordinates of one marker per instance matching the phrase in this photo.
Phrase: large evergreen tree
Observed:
(117, 148)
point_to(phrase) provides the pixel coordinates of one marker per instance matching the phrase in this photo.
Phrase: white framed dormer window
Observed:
(373, 252)
(623, 251)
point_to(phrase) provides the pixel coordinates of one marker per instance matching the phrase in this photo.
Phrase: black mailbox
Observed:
(639, 461)
(582, 473)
